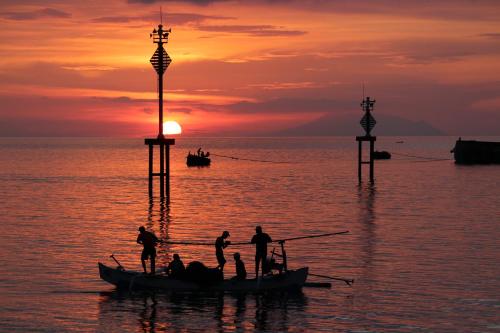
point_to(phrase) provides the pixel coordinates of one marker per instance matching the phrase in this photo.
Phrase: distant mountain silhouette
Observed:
(349, 125)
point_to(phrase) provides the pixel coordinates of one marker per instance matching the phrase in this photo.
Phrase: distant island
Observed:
(348, 125)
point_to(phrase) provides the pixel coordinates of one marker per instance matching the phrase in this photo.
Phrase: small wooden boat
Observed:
(381, 155)
(123, 279)
(476, 152)
(198, 160)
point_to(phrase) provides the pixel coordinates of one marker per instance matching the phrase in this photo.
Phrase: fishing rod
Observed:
(348, 281)
(250, 243)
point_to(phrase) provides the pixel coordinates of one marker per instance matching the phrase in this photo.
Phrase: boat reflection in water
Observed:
(214, 312)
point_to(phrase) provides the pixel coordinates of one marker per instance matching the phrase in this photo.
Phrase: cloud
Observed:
(36, 14)
(290, 85)
(443, 9)
(194, 2)
(170, 18)
(252, 30)
(492, 35)
(286, 105)
(34, 127)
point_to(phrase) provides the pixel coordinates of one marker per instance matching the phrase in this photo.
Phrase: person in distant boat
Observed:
(241, 272)
(220, 244)
(175, 268)
(260, 239)
(199, 151)
(148, 241)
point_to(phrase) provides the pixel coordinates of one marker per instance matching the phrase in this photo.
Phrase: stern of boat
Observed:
(115, 276)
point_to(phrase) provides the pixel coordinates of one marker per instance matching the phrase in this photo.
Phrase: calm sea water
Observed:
(423, 246)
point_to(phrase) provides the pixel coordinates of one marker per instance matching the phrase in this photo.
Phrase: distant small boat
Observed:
(381, 155)
(476, 152)
(399, 141)
(200, 159)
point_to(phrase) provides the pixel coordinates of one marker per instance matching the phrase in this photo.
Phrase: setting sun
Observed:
(171, 127)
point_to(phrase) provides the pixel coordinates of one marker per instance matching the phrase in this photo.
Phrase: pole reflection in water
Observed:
(159, 219)
(367, 219)
(368, 240)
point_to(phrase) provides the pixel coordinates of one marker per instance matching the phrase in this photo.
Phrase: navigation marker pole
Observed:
(368, 123)
(160, 61)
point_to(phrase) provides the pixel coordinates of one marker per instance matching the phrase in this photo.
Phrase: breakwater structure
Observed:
(476, 152)
(367, 122)
(160, 61)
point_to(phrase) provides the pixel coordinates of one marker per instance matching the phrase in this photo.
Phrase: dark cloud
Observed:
(443, 9)
(424, 51)
(39, 127)
(194, 2)
(36, 14)
(169, 19)
(286, 105)
(492, 35)
(56, 75)
(185, 110)
(252, 30)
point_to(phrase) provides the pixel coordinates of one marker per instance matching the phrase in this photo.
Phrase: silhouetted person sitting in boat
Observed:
(241, 272)
(175, 268)
(148, 241)
(220, 245)
(260, 239)
(199, 151)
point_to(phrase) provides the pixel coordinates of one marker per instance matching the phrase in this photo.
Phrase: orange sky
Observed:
(246, 67)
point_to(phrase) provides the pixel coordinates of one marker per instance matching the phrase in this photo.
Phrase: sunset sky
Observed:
(77, 68)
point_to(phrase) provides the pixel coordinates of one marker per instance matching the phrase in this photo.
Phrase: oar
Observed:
(313, 236)
(348, 281)
(249, 243)
(116, 260)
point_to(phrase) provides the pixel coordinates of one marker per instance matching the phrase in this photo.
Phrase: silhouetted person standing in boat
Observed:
(148, 241)
(260, 239)
(220, 245)
(176, 268)
(241, 272)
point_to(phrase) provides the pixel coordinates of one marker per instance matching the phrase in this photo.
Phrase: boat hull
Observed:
(194, 160)
(381, 155)
(291, 280)
(476, 152)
